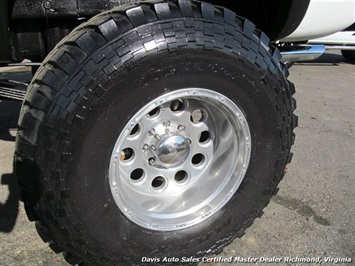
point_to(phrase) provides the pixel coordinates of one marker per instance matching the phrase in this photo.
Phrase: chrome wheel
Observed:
(180, 159)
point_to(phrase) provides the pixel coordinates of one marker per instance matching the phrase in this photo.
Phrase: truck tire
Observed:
(349, 54)
(154, 130)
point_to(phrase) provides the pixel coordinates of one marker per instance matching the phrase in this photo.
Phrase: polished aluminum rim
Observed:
(180, 159)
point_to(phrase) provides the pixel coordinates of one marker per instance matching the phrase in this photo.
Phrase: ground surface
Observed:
(313, 215)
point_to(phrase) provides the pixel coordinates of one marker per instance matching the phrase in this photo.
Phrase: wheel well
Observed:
(34, 34)
(268, 16)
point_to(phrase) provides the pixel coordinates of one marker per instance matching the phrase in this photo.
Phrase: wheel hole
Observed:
(198, 116)
(135, 130)
(205, 136)
(158, 182)
(181, 176)
(127, 154)
(198, 159)
(177, 105)
(137, 174)
(154, 112)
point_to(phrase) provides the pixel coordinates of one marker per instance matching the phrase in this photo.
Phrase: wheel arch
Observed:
(277, 19)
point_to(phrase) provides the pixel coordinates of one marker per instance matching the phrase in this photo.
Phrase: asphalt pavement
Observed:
(311, 217)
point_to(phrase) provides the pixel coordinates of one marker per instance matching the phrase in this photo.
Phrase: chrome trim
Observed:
(304, 52)
(340, 47)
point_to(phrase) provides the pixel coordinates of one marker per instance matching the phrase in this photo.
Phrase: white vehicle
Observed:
(155, 129)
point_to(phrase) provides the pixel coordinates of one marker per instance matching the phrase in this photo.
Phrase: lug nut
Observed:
(151, 132)
(146, 147)
(166, 124)
(152, 161)
(181, 128)
(153, 147)
(157, 137)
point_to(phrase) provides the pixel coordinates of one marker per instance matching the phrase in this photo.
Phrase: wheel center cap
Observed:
(173, 150)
